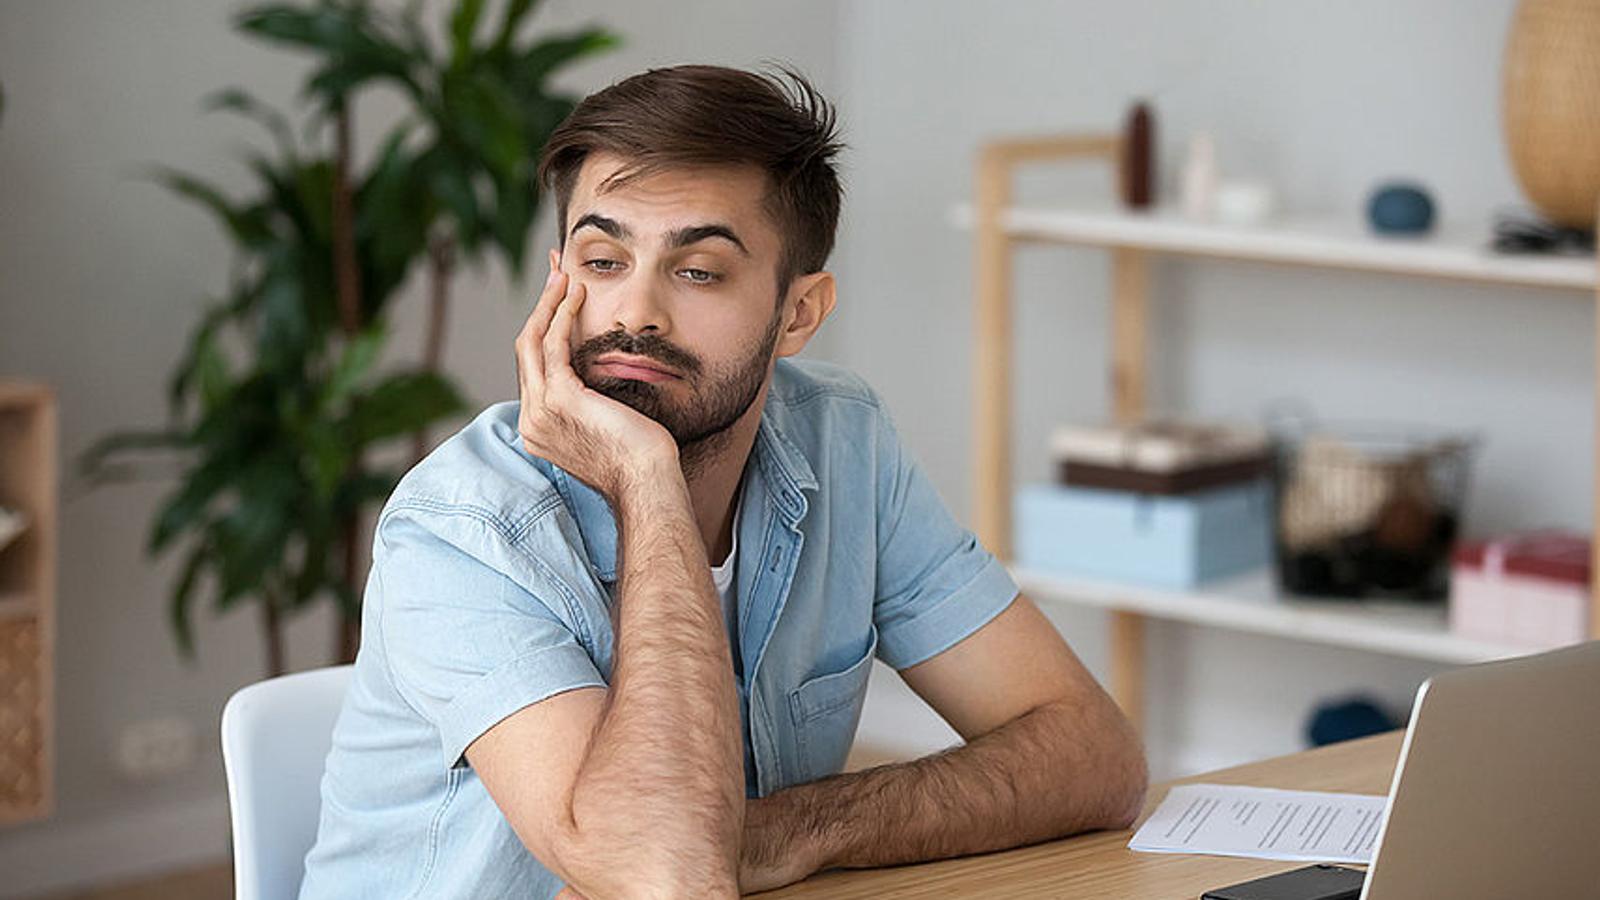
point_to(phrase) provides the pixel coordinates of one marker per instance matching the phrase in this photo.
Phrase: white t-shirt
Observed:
(722, 576)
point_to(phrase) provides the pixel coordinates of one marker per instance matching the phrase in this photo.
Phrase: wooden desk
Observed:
(1100, 864)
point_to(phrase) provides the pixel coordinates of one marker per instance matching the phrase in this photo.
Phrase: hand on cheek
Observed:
(557, 259)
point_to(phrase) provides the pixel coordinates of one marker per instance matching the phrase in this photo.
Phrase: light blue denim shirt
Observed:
(493, 579)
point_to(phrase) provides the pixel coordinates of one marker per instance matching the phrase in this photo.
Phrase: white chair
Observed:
(275, 739)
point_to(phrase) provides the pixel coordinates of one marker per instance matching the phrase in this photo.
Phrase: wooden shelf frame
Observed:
(28, 479)
(1132, 239)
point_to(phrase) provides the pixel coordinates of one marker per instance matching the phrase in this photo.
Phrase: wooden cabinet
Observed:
(28, 482)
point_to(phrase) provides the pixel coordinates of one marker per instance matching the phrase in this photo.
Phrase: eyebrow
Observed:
(683, 237)
(678, 237)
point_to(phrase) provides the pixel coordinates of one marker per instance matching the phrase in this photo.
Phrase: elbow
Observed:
(1129, 801)
(617, 863)
(1130, 781)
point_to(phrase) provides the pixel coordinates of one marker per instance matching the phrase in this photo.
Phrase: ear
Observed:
(811, 300)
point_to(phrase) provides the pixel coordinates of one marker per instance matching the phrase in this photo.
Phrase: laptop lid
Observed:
(1497, 791)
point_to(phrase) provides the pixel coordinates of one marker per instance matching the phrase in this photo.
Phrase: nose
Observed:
(634, 305)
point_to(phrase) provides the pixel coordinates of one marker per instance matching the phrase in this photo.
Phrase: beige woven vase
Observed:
(1551, 107)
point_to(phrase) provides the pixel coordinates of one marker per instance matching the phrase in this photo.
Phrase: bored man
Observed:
(617, 633)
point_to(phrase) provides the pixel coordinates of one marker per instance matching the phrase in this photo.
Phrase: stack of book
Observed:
(1163, 503)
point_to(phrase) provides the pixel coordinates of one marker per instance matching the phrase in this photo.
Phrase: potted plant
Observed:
(278, 407)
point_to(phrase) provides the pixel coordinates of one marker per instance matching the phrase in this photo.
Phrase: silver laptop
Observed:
(1497, 792)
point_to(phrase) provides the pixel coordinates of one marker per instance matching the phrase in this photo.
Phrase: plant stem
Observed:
(347, 275)
(347, 630)
(441, 266)
(272, 627)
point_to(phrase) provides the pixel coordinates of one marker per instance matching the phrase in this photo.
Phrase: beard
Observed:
(719, 397)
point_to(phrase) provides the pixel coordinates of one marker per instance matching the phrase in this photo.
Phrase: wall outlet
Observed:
(155, 748)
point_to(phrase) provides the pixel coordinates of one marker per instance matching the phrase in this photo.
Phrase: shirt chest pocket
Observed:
(825, 711)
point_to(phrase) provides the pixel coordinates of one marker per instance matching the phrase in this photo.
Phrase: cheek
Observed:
(596, 315)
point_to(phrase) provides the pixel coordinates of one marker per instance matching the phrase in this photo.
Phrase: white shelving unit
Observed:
(1453, 251)
(1250, 604)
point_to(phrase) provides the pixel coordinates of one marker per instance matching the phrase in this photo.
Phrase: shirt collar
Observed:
(784, 468)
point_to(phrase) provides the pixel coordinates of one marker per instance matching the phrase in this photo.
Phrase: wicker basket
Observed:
(22, 717)
(1369, 513)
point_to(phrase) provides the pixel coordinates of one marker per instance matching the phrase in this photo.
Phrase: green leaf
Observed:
(354, 361)
(182, 600)
(516, 11)
(94, 463)
(449, 180)
(401, 404)
(311, 576)
(513, 217)
(316, 28)
(201, 337)
(254, 534)
(188, 503)
(364, 487)
(328, 457)
(284, 330)
(480, 112)
(462, 23)
(237, 100)
(313, 185)
(392, 216)
(212, 375)
(538, 61)
(244, 228)
(346, 36)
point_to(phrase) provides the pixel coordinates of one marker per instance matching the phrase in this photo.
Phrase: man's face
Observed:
(681, 273)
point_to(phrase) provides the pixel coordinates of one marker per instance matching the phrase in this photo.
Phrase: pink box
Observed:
(1527, 589)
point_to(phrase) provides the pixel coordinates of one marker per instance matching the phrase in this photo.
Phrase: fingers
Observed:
(558, 338)
(530, 362)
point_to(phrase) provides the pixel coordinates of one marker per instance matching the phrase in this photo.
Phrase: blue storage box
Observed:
(1171, 541)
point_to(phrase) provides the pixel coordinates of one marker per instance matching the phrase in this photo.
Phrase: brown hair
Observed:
(712, 115)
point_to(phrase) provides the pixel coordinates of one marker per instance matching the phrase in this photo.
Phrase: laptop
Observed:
(1496, 795)
(1497, 792)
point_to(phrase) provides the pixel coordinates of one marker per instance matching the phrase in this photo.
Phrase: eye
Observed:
(603, 266)
(700, 276)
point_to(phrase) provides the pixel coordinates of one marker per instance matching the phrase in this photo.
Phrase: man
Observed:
(617, 634)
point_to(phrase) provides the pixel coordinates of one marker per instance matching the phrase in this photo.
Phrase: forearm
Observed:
(665, 761)
(1055, 771)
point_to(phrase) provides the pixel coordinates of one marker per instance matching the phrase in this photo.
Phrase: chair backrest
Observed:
(275, 739)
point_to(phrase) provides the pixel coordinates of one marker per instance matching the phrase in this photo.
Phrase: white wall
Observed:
(100, 278)
(1323, 99)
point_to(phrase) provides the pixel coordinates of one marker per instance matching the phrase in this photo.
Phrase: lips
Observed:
(634, 367)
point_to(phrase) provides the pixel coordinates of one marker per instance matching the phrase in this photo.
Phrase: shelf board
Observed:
(1451, 251)
(1252, 603)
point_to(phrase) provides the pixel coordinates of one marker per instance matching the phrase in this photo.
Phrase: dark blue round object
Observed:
(1342, 720)
(1400, 209)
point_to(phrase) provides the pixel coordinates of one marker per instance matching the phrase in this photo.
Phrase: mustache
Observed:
(649, 346)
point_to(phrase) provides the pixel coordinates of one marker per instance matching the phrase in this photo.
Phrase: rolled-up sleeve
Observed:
(936, 584)
(468, 646)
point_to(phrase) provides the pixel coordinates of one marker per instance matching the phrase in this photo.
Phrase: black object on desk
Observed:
(1321, 882)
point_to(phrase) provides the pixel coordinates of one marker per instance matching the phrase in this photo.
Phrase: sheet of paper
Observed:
(1263, 823)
